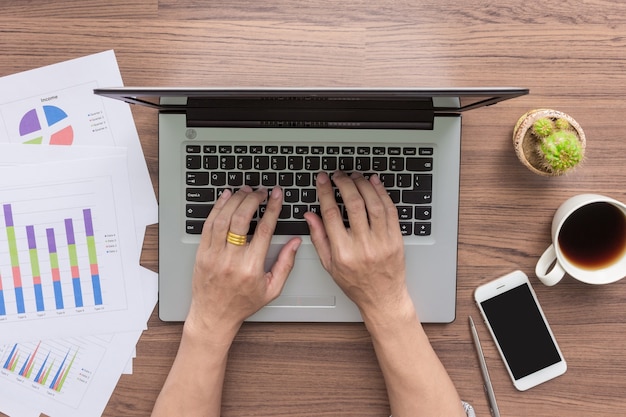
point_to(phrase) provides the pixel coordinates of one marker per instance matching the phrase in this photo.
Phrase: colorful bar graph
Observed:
(54, 269)
(71, 247)
(34, 265)
(36, 370)
(15, 261)
(93, 259)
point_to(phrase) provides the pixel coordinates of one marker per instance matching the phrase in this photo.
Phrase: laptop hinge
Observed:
(357, 114)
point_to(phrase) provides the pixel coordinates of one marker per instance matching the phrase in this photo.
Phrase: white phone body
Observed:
(517, 324)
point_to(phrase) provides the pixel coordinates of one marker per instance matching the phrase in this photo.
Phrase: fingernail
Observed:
(322, 178)
(374, 178)
(226, 194)
(276, 193)
(355, 175)
(246, 189)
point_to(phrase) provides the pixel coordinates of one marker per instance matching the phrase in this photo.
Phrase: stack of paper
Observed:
(75, 200)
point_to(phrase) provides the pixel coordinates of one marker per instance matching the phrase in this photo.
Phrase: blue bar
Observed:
(6, 364)
(58, 373)
(19, 298)
(3, 310)
(39, 297)
(97, 291)
(78, 294)
(58, 294)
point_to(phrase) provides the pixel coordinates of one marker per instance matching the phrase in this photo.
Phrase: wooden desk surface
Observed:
(570, 54)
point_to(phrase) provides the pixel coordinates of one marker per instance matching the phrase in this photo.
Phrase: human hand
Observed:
(229, 281)
(366, 260)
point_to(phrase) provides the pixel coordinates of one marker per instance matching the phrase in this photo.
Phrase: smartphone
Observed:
(517, 324)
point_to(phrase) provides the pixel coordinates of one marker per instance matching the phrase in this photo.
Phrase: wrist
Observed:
(208, 330)
(382, 321)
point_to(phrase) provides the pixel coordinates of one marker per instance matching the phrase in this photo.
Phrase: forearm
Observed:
(417, 383)
(194, 384)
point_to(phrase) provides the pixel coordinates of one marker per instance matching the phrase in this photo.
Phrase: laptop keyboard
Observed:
(406, 172)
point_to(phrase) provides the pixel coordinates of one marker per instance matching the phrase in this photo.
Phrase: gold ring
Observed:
(235, 239)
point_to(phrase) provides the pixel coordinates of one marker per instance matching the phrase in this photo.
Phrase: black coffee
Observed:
(594, 236)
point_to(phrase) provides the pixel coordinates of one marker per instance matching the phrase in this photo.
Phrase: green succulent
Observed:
(561, 124)
(561, 151)
(543, 127)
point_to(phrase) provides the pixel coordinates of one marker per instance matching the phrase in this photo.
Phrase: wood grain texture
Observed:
(569, 53)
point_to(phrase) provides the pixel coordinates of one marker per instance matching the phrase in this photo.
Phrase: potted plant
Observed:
(549, 142)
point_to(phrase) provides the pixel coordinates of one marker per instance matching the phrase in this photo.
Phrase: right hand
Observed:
(367, 259)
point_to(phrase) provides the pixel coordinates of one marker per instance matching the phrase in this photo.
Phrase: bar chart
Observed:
(63, 276)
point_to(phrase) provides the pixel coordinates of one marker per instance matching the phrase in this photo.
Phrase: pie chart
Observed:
(46, 124)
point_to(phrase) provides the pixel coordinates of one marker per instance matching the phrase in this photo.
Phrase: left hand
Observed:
(229, 281)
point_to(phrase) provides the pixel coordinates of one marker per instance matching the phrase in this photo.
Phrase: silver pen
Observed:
(493, 405)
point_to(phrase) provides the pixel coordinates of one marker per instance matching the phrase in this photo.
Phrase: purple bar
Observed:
(52, 244)
(69, 230)
(30, 233)
(8, 215)
(88, 222)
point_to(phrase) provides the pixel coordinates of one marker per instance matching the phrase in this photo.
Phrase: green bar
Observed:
(91, 247)
(12, 246)
(45, 378)
(54, 260)
(34, 262)
(73, 257)
(17, 359)
(66, 372)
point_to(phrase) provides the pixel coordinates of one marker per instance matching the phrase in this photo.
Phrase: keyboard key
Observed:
(286, 150)
(394, 151)
(362, 164)
(406, 228)
(291, 195)
(225, 148)
(379, 150)
(210, 149)
(396, 164)
(347, 150)
(299, 210)
(192, 148)
(379, 163)
(256, 149)
(329, 163)
(295, 163)
(332, 150)
(271, 150)
(346, 163)
(422, 182)
(416, 197)
(302, 150)
(426, 151)
(419, 164)
(278, 163)
(261, 163)
(317, 150)
(423, 213)
(404, 181)
(200, 195)
(194, 161)
(303, 179)
(308, 195)
(235, 179)
(197, 178)
(388, 180)
(268, 179)
(253, 179)
(198, 211)
(227, 163)
(363, 150)
(218, 179)
(409, 151)
(422, 229)
(194, 227)
(244, 163)
(210, 162)
(405, 212)
(285, 179)
(291, 228)
(312, 163)
(239, 149)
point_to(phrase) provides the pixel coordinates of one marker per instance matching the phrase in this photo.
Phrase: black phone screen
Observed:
(521, 331)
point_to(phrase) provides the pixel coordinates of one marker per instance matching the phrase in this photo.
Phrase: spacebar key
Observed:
(291, 228)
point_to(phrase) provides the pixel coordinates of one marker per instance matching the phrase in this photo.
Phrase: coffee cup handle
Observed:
(546, 276)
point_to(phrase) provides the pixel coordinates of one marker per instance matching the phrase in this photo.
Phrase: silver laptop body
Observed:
(342, 128)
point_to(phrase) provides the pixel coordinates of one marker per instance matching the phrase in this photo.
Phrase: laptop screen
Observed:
(319, 108)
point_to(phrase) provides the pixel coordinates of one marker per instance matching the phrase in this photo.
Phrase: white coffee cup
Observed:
(588, 241)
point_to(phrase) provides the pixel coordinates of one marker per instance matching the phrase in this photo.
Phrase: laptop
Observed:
(211, 139)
